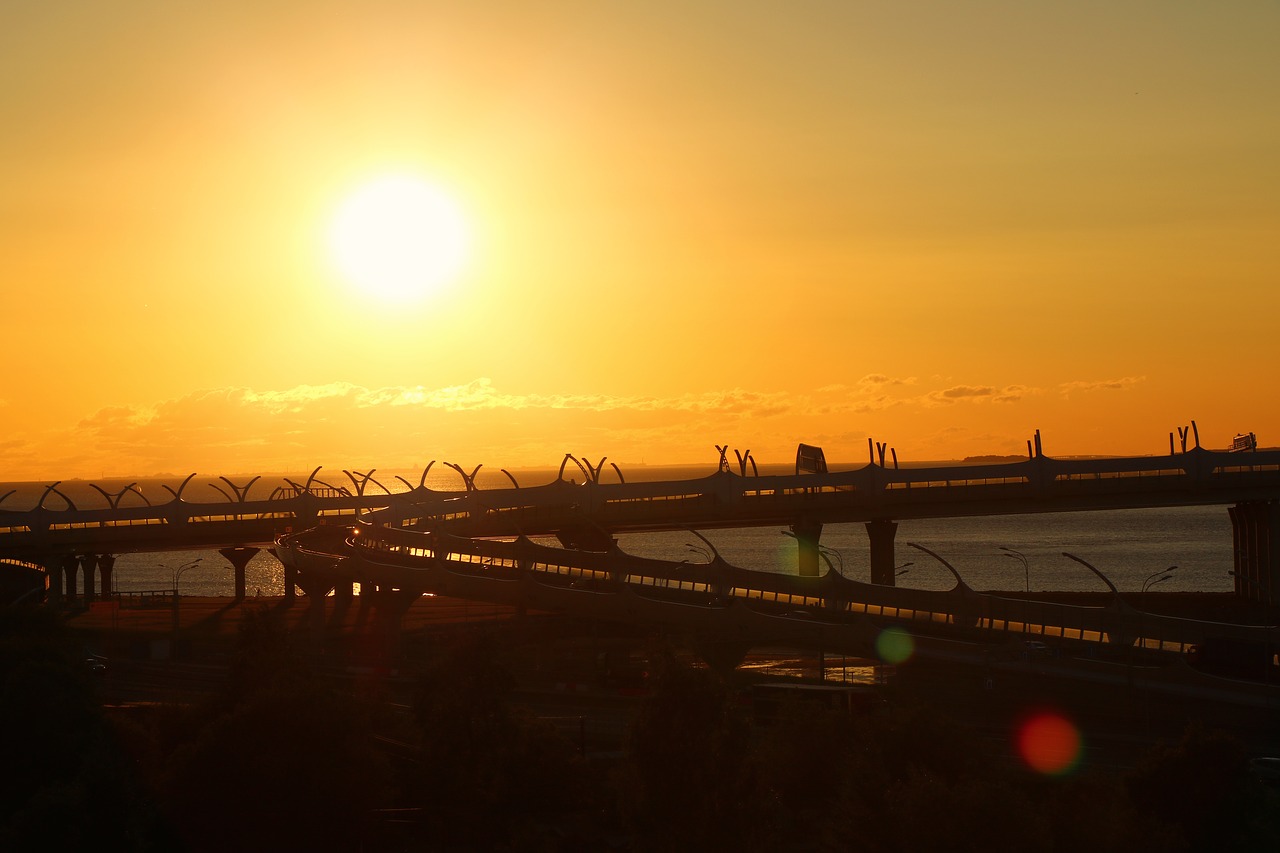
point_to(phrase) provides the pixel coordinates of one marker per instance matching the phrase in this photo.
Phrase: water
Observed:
(1129, 546)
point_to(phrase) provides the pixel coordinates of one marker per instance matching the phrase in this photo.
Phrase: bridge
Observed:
(64, 537)
(727, 610)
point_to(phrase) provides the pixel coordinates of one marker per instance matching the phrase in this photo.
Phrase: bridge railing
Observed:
(826, 597)
(722, 499)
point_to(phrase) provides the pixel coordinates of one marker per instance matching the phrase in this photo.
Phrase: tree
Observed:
(488, 774)
(288, 768)
(64, 781)
(683, 786)
(1203, 787)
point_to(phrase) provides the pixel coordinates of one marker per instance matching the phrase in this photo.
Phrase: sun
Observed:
(399, 238)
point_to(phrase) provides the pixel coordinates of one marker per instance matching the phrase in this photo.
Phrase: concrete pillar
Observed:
(290, 583)
(390, 606)
(881, 531)
(721, 655)
(807, 534)
(1255, 534)
(57, 569)
(106, 565)
(396, 602)
(88, 563)
(239, 557)
(585, 538)
(317, 589)
(71, 565)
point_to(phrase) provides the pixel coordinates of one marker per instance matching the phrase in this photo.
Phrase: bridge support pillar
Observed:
(106, 564)
(807, 534)
(290, 583)
(239, 557)
(62, 576)
(586, 538)
(389, 607)
(1255, 533)
(88, 566)
(882, 531)
(722, 656)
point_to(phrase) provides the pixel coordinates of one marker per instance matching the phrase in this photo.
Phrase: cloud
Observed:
(879, 380)
(1013, 393)
(241, 429)
(977, 394)
(1122, 384)
(950, 395)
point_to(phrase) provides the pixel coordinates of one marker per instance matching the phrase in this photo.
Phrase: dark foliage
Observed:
(683, 786)
(293, 768)
(490, 778)
(283, 759)
(291, 758)
(66, 783)
(1202, 786)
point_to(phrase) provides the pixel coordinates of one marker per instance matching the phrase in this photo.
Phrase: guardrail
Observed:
(500, 568)
(724, 499)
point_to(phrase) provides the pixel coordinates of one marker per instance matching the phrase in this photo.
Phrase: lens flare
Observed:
(894, 645)
(1049, 743)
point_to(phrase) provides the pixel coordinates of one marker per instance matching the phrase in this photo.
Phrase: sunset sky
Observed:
(941, 225)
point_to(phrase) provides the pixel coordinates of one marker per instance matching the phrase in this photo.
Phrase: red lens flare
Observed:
(1049, 743)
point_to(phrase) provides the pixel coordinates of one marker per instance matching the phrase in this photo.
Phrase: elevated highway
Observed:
(588, 515)
(728, 610)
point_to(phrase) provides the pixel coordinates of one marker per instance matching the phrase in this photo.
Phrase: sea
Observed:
(1134, 548)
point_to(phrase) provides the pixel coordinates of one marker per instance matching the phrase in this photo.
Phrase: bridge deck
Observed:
(1042, 484)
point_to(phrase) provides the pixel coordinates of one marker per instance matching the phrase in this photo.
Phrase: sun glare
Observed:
(399, 238)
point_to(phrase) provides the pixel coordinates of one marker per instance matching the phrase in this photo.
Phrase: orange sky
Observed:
(940, 225)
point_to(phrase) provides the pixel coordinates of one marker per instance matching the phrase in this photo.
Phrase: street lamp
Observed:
(1095, 570)
(1018, 555)
(182, 570)
(699, 550)
(177, 575)
(1152, 580)
(1115, 594)
(827, 552)
(959, 580)
(824, 551)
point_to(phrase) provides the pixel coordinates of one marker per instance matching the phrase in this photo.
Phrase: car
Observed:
(96, 664)
(1035, 649)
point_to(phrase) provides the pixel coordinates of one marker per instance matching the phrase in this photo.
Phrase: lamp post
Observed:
(1256, 589)
(1115, 594)
(1152, 578)
(699, 550)
(177, 575)
(824, 551)
(1018, 555)
(1095, 570)
(959, 580)
(827, 552)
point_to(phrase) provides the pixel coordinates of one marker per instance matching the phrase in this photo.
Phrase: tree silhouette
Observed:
(64, 781)
(1203, 787)
(488, 775)
(683, 785)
